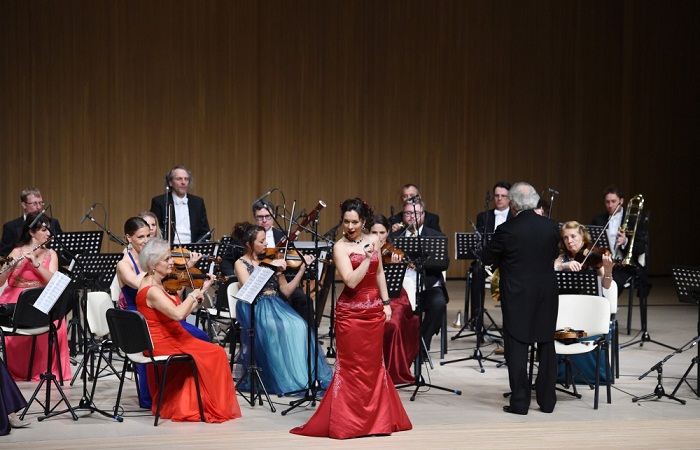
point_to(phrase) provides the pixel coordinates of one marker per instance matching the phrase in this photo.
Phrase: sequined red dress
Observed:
(361, 399)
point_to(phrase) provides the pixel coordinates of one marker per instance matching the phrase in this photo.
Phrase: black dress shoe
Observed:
(508, 409)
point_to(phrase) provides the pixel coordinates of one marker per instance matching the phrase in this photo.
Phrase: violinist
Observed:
(280, 332)
(578, 253)
(163, 313)
(401, 332)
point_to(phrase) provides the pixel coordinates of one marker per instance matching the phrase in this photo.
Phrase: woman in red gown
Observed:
(35, 268)
(163, 313)
(361, 399)
(402, 332)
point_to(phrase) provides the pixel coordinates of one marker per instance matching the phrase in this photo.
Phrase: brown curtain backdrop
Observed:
(331, 99)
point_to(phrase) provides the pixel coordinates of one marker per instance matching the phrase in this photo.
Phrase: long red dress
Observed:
(361, 399)
(180, 396)
(401, 340)
(19, 348)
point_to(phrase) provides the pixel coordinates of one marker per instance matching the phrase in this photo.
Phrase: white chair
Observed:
(591, 314)
(611, 295)
(235, 328)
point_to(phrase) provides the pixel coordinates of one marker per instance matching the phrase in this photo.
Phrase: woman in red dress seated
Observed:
(361, 399)
(163, 313)
(401, 333)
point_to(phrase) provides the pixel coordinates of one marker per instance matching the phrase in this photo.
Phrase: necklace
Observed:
(356, 241)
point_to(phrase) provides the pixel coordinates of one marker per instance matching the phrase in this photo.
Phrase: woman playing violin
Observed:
(163, 313)
(578, 253)
(401, 332)
(280, 332)
(34, 267)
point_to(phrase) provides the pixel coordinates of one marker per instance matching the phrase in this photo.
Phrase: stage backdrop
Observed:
(326, 100)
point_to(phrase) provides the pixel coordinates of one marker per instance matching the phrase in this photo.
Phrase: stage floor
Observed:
(440, 419)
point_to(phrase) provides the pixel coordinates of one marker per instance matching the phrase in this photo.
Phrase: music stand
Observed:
(426, 252)
(73, 244)
(394, 274)
(599, 235)
(580, 283)
(95, 272)
(467, 246)
(687, 283)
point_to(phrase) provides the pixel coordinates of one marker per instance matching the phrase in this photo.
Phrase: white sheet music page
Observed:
(51, 292)
(252, 287)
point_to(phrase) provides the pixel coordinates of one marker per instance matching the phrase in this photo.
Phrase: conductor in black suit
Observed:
(189, 215)
(410, 192)
(30, 201)
(433, 301)
(524, 249)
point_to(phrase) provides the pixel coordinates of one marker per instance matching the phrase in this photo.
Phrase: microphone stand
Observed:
(167, 216)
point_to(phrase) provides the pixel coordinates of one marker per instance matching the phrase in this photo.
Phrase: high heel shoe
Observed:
(16, 423)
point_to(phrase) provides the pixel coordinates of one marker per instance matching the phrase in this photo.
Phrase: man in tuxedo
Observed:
(615, 212)
(486, 223)
(410, 192)
(188, 216)
(524, 249)
(30, 201)
(433, 300)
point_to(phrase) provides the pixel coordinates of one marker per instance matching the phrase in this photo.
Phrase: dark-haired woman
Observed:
(281, 334)
(35, 268)
(361, 400)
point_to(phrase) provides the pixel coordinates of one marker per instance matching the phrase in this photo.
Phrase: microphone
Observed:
(36, 219)
(206, 235)
(412, 198)
(167, 181)
(87, 214)
(262, 197)
(553, 191)
(476, 230)
(392, 212)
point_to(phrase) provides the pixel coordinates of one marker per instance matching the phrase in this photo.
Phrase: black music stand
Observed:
(426, 252)
(580, 283)
(687, 283)
(394, 274)
(467, 246)
(57, 311)
(69, 246)
(205, 248)
(94, 272)
(599, 236)
(252, 371)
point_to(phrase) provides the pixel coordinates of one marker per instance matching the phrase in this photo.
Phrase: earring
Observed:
(129, 246)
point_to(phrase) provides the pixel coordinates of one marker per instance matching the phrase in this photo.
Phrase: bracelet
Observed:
(37, 266)
(386, 302)
(607, 277)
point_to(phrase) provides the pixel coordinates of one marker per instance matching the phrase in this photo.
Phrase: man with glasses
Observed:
(30, 201)
(434, 298)
(411, 193)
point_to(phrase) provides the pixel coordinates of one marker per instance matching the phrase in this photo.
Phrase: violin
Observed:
(292, 257)
(389, 250)
(181, 255)
(569, 336)
(591, 256)
(180, 278)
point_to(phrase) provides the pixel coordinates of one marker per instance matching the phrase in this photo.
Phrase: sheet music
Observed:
(249, 291)
(51, 292)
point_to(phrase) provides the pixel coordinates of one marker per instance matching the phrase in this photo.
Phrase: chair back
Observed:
(97, 305)
(129, 331)
(232, 290)
(589, 313)
(26, 315)
(611, 295)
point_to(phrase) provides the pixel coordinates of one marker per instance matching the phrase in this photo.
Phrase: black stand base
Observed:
(477, 356)
(257, 387)
(659, 390)
(684, 379)
(419, 380)
(50, 379)
(309, 397)
(646, 338)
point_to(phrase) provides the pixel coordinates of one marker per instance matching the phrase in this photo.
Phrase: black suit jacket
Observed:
(12, 230)
(524, 249)
(486, 220)
(433, 274)
(430, 220)
(199, 224)
(641, 238)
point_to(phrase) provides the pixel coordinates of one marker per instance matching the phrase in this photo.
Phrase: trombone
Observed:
(634, 209)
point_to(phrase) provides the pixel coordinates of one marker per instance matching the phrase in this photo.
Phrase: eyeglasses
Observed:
(263, 218)
(34, 203)
(412, 214)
